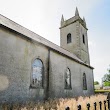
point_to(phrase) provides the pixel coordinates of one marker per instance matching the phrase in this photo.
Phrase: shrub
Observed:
(60, 104)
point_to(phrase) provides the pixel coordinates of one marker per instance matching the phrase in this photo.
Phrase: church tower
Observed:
(73, 37)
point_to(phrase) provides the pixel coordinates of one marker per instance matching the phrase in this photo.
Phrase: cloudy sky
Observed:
(43, 17)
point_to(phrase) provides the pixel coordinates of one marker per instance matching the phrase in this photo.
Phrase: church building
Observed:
(33, 68)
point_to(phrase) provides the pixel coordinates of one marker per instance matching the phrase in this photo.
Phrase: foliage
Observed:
(106, 78)
(101, 91)
(96, 83)
(60, 104)
(106, 83)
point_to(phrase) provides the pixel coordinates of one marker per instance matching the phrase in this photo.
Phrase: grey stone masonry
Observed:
(79, 40)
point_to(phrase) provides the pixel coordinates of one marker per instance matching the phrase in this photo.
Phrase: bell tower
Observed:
(73, 36)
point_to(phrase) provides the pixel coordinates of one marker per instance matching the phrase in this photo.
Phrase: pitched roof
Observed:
(26, 32)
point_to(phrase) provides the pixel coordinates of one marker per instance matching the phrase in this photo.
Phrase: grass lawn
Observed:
(101, 91)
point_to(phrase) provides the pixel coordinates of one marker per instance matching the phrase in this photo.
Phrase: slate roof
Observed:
(27, 33)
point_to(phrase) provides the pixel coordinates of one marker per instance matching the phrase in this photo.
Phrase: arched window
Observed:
(84, 82)
(69, 38)
(37, 73)
(67, 79)
(83, 38)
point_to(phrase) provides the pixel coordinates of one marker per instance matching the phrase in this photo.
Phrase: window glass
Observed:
(84, 82)
(83, 39)
(69, 38)
(67, 79)
(37, 70)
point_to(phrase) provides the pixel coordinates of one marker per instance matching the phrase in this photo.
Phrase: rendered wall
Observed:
(58, 65)
(16, 55)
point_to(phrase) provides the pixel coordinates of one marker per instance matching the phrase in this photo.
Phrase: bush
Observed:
(107, 83)
(60, 104)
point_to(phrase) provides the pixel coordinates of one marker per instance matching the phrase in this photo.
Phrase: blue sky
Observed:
(99, 31)
(43, 17)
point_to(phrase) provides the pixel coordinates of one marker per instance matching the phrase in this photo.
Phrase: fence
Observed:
(106, 106)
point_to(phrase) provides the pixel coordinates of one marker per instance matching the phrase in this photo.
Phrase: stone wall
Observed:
(58, 65)
(76, 46)
(16, 55)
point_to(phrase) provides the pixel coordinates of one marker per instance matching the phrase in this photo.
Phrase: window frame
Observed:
(83, 37)
(67, 88)
(69, 38)
(84, 81)
(31, 79)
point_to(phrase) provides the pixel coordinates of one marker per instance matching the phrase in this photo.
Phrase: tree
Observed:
(106, 83)
(106, 78)
(96, 83)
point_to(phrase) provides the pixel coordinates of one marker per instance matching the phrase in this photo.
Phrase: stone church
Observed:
(33, 68)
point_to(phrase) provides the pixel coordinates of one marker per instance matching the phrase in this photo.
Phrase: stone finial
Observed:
(76, 12)
(62, 19)
(84, 20)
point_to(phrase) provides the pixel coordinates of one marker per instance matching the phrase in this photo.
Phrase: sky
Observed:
(43, 17)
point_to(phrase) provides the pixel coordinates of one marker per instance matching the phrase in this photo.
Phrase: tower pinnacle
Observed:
(84, 20)
(62, 19)
(76, 12)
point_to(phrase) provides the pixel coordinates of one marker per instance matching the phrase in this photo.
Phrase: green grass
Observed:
(102, 91)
